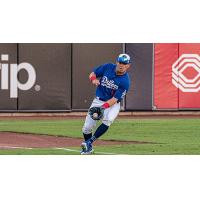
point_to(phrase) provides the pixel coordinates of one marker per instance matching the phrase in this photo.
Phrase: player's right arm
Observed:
(94, 79)
(97, 73)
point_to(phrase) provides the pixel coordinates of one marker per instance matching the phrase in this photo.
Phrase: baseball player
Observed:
(112, 81)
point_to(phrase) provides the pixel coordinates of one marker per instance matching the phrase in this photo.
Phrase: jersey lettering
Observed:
(109, 84)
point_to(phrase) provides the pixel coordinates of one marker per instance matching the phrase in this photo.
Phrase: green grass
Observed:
(36, 151)
(171, 136)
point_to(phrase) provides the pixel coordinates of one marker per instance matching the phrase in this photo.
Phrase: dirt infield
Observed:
(9, 140)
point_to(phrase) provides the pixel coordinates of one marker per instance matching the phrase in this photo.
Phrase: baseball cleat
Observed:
(87, 152)
(86, 148)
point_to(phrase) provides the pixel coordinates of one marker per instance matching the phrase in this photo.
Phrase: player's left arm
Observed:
(119, 95)
(112, 101)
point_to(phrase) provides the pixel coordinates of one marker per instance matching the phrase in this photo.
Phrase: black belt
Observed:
(100, 99)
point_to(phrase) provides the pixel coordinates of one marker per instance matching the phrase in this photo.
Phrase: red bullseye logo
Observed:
(186, 73)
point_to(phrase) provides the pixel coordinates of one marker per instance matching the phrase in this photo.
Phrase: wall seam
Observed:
(18, 64)
(71, 76)
(153, 72)
(178, 80)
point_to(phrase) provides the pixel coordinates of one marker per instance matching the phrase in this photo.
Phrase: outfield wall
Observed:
(177, 76)
(140, 94)
(54, 77)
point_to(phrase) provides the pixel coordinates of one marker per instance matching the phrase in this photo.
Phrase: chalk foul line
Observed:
(56, 148)
(96, 152)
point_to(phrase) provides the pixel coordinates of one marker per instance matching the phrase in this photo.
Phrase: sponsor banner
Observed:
(177, 76)
(189, 76)
(165, 93)
(8, 76)
(11, 72)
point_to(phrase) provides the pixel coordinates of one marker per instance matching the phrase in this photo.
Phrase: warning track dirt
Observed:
(27, 140)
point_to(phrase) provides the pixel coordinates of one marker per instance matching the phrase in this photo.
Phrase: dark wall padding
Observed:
(140, 93)
(85, 58)
(52, 63)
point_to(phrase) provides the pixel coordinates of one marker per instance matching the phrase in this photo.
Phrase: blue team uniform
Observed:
(111, 84)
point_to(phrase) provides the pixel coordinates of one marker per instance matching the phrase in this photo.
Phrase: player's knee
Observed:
(107, 122)
(86, 130)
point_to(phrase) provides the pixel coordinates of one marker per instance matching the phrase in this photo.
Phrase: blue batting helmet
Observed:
(124, 59)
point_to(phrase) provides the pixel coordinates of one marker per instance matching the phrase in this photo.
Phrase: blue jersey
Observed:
(111, 84)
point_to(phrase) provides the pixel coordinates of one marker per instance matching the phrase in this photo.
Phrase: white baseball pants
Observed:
(109, 116)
